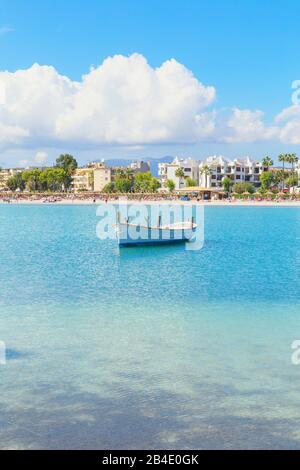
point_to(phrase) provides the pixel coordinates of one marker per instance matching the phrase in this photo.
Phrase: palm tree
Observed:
(267, 162)
(293, 178)
(205, 170)
(227, 184)
(293, 159)
(283, 157)
(179, 173)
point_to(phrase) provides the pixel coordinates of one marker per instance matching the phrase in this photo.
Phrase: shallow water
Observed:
(154, 347)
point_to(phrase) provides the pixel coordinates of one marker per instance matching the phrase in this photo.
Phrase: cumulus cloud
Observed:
(245, 125)
(124, 101)
(289, 119)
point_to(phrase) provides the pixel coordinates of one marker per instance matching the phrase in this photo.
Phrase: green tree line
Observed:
(126, 182)
(57, 178)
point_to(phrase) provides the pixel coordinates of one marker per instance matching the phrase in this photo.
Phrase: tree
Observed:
(67, 162)
(283, 157)
(280, 177)
(292, 159)
(227, 184)
(179, 173)
(123, 183)
(32, 179)
(53, 179)
(16, 182)
(170, 185)
(190, 182)
(206, 171)
(267, 162)
(292, 180)
(245, 187)
(266, 179)
(145, 182)
(110, 188)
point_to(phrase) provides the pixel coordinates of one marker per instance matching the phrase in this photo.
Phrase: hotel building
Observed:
(214, 169)
(167, 171)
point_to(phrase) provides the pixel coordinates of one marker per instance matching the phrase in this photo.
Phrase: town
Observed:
(214, 178)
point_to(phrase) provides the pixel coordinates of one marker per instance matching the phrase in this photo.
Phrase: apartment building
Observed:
(214, 169)
(102, 176)
(167, 171)
(97, 175)
(82, 180)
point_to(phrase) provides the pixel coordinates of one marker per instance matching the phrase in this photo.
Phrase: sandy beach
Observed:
(89, 202)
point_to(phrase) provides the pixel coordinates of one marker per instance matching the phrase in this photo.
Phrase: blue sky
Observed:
(248, 50)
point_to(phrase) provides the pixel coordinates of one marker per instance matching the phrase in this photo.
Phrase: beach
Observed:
(91, 201)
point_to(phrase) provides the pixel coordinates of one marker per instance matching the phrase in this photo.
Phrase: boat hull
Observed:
(133, 235)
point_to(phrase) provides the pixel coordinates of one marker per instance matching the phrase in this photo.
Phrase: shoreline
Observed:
(221, 203)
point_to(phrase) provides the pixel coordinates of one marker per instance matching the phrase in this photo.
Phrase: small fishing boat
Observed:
(129, 234)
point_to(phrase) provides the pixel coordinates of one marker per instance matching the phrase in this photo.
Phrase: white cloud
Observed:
(245, 125)
(289, 118)
(288, 113)
(125, 102)
(290, 133)
(41, 157)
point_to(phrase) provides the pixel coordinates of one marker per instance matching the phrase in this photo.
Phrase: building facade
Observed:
(96, 175)
(82, 180)
(214, 169)
(102, 177)
(167, 171)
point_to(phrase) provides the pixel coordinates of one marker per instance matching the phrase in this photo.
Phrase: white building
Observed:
(167, 171)
(82, 180)
(214, 169)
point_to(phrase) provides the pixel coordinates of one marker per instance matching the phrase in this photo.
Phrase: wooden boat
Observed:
(129, 234)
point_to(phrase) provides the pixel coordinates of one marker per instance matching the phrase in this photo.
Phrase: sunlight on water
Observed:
(152, 348)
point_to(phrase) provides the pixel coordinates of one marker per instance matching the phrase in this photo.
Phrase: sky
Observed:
(139, 79)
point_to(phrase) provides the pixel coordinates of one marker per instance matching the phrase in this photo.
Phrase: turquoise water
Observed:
(154, 347)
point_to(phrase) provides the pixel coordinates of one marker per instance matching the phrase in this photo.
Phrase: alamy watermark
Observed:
(295, 358)
(296, 93)
(142, 223)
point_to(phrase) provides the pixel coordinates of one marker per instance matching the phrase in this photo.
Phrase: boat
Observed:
(129, 234)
